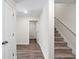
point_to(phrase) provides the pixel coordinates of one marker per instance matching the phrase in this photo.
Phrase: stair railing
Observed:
(66, 26)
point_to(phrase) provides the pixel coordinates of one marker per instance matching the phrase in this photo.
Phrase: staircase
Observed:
(62, 51)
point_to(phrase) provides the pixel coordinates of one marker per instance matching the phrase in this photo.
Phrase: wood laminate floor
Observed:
(31, 51)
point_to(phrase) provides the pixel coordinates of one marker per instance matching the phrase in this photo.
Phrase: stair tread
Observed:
(60, 42)
(59, 37)
(57, 33)
(62, 47)
(63, 55)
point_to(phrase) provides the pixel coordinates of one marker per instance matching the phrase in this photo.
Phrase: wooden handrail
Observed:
(66, 26)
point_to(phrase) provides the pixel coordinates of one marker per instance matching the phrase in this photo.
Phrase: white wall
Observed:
(45, 31)
(66, 13)
(32, 29)
(22, 30)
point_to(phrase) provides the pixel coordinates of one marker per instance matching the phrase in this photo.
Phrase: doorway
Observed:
(32, 31)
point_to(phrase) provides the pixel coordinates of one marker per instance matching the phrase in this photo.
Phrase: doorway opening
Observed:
(32, 31)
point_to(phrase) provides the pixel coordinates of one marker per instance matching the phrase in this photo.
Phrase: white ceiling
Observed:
(34, 7)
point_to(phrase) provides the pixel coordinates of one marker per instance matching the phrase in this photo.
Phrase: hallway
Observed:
(31, 51)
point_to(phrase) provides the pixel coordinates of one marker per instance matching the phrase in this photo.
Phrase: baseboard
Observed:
(41, 50)
(22, 43)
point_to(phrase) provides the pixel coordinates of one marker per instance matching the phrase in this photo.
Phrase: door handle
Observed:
(4, 42)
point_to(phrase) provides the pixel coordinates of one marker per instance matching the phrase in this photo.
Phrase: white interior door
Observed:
(9, 43)
(32, 30)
